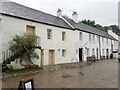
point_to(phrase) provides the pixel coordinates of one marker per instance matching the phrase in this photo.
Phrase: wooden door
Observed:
(51, 57)
(30, 30)
(42, 57)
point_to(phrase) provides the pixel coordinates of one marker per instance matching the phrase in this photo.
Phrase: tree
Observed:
(115, 29)
(24, 48)
(100, 27)
(88, 22)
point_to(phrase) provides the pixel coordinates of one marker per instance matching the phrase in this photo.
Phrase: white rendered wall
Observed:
(17, 26)
(71, 44)
(0, 38)
(85, 43)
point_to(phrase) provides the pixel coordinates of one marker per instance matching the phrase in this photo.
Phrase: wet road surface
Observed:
(101, 74)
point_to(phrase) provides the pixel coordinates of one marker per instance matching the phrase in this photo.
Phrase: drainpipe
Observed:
(99, 47)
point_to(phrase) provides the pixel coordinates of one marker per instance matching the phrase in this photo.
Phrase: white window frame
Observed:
(80, 36)
(93, 51)
(63, 36)
(103, 40)
(107, 40)
(49, 33)
(103, 52)
(88, 52)
(94, 38)
(90, 38)
(63, 53)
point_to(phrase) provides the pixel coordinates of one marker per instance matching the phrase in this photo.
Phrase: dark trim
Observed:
(38, 47)
(36, 21)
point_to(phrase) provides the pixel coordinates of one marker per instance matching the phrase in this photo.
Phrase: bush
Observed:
(24, 48)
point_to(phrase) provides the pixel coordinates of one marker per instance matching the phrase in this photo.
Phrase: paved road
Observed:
(101, 74)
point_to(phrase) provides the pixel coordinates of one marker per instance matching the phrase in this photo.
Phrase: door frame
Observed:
(53, 54)
(81, 55)
(42, 57)
(97, 51)
(107, 53)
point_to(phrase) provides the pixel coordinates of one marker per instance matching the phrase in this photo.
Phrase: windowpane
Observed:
(80, 36)
(103, 52)
(103, 40)
(93, 51)
(63, 53)
(49, 34)
(89, 37)
(94, 38)
(88, 52)
(63, 36)
(107, 41)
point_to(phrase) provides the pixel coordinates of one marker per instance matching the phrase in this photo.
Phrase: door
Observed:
(97, 53)
(51, 57)
(42, 56)
(30, 30)
(107, 53)
(80, 54)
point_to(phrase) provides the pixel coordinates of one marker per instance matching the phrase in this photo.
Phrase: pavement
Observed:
(100, 74)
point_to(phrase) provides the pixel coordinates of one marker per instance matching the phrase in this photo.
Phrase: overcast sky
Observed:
(104, 12)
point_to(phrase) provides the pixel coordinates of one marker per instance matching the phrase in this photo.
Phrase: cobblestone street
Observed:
(100, 74)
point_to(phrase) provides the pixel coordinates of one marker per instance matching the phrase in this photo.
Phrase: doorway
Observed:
(42, 57)
(51, 57)
(97, 52)
(107, 53)
(80, 54)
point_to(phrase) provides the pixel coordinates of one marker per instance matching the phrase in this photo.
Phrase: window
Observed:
(89, 37)
(107, 41)
(63, 36)
(93, 51)
(49, 34)
(30, 30)
(98, 39)
(63, 53)
(103, 52)
(94, 38)
(88, 52)
(103, 40)
(80, 36)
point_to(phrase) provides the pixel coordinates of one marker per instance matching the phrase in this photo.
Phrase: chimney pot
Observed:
(75, 17)
(59, 13)
(110, 28)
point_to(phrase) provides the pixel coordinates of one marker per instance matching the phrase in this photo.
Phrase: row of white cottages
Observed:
(62, 39)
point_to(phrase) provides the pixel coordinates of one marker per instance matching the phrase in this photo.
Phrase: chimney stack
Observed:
(59, 13)
(109, 30)
(75, 17)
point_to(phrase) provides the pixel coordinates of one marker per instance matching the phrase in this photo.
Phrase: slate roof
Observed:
(89, 29)
(20, 11)
(17, 10)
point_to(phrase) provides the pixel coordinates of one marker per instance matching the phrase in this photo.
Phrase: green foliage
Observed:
(89, 22)
(6, 69)
(24, 46)
(115, 29)
(98, 26)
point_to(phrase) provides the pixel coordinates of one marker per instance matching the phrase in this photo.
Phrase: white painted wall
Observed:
(0, 38)
(71, 44)
(17, 26)
(110, 32)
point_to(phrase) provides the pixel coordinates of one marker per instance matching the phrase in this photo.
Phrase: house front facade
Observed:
(62, 40)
